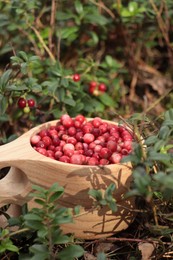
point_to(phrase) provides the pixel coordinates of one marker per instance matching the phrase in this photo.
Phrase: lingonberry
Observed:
(76, 159)
(31, 102)
(102, 87)
(35, 139)
(115, 157)
(88, 138)
(92, 87)
(80, 118)
(93, 161)
(26, 110)
(21, 102)
(76, 77)
(93, 84)
(67, 122)
(71, 131)
(47, 140)
(64, 158)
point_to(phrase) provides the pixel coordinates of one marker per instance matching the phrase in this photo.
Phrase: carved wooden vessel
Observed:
(28, 167)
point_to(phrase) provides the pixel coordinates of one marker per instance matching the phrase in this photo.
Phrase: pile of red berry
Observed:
(81, 141)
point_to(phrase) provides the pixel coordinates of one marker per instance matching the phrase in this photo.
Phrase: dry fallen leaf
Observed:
(104, 247)
(146, 250)
(88, 256)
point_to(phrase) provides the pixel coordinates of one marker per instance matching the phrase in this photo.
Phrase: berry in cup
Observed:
(84, 141)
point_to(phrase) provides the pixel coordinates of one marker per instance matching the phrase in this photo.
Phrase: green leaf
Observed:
(107, 100)
(55, 187)
(40, 252)
(71, 252)
(77, 209)
(113, 206)
(70, 102)
(158, 145)
(61, 239)
(36, 88)
(3, 104)
(97, 194)
(61, 94)
(23, 55)
(35, 225)
(132, 6)
(96, 18)
(101, 256)
(159, 156)
(56, 195)
(64, 15)
(109, 60)
(32, 216)
(4, 79)
(164, 132)
(151, 140)
(109, 191)
(12, 247)
(169, 115)
(67, 32)
(78, 6)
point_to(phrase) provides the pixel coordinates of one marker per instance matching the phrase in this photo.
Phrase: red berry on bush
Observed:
(76, 77)
(21, 102)
(102, 87)
(31, 102)
(93, 84)
(92, 87)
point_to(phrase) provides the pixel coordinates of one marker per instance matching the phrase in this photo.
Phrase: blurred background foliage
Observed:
(127, 45)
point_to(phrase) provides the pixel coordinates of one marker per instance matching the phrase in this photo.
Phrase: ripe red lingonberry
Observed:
(31, 102)
(102, 87)
(92, 87)
(76, 77)
(93, 84)
(21, 102)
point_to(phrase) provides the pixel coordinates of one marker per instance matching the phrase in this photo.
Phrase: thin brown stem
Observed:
(102, 6)
(30, 38)
(52, 24)
(43, 44)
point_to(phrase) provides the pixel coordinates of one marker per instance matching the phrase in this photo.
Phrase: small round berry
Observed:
(102, 87)
(21, 102)
(76, 77)
(26, 110)
(93, 84)
(31, 102)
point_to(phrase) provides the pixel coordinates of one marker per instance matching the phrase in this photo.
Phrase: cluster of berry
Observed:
(78, 141)
(25, 104)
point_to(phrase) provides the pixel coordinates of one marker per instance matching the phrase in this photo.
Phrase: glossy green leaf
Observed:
(71, 252)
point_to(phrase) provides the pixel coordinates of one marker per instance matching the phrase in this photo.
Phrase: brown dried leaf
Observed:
(104, 247)
(88, 256)
(159, 84)
(146, 250)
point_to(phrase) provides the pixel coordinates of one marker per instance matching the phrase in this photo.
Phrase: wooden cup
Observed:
(28, 167)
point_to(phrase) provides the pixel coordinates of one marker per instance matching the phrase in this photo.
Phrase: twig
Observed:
(102, 5)
(52, 24)
(36, 49)
(43, 43)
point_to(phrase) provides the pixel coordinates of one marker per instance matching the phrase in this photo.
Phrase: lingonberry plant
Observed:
(42, 226)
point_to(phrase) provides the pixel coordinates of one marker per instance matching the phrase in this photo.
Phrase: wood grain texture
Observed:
(28, 167)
